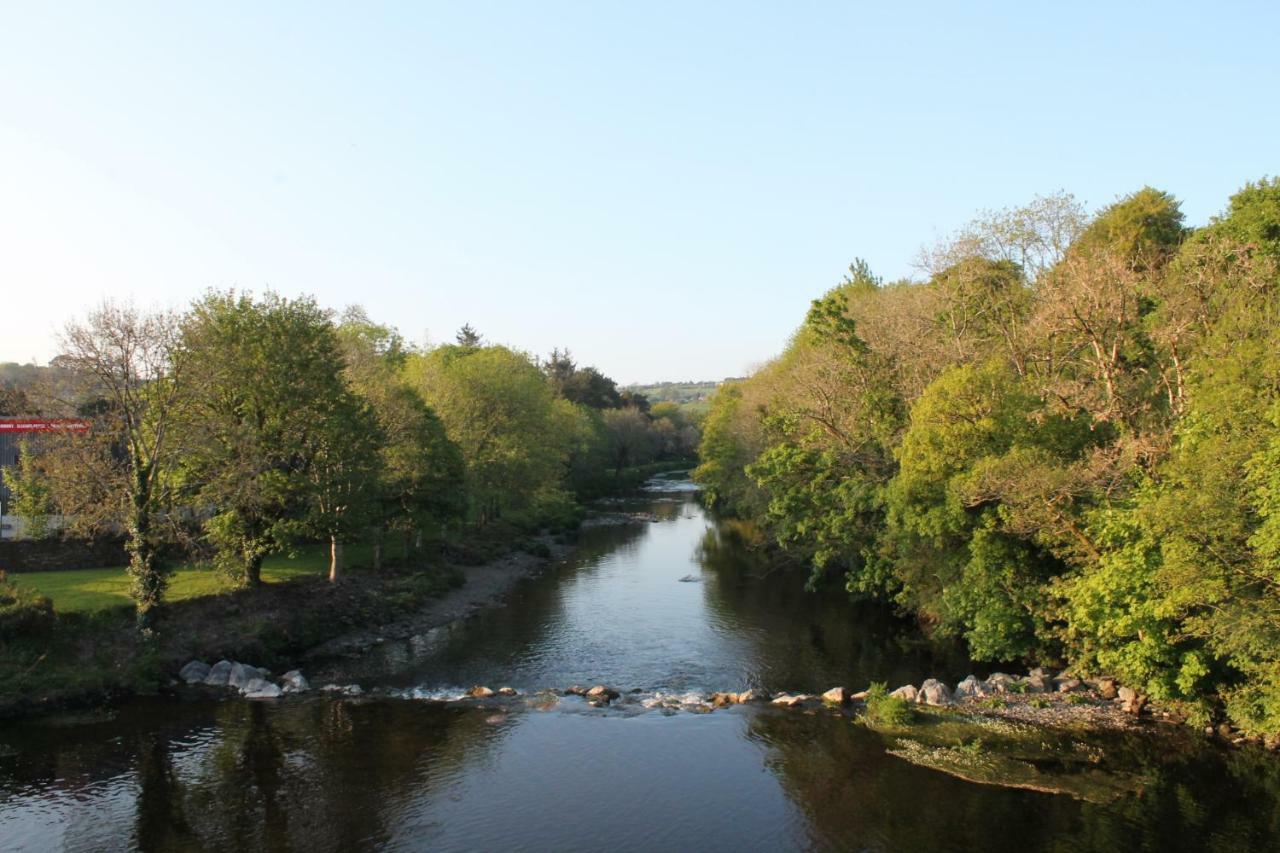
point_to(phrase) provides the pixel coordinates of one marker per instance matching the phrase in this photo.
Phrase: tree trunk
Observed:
(253, 571)
(377, 549)
(335, 557)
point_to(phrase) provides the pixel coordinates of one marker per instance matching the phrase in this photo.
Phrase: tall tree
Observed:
(268, 424)
(134, 363)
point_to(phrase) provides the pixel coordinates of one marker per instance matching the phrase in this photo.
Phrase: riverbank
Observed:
(96, 657)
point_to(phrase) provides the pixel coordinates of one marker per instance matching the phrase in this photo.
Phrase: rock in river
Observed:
(240, 675)
(753, 695)
(218, 674)
(262, 689)
(602, 694)
(294, 681)
(479, 692)
(194, 672)
(836, 696)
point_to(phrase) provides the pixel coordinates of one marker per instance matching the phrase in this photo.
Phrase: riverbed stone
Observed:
(294, 681)
(724, 700)
(194, 672)
(576, 690)
(788, 700)
(1069, 685)
(241, 674)
(836, 696)
(934, 692)
(1038, 684)
(254, 685)
(1039, 672)
(218, 674)
(603, 693)
(1107, 688)
(479, 692)
(507, 691)
(263, 689)
(906, 692)
(753, 694)
(860, 696)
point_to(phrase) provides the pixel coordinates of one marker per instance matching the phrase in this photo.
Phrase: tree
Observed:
(420, 480)
(134, 362)
(468, 337)
(498, 408)
(628, 438)
(33, 499)
(266, 441)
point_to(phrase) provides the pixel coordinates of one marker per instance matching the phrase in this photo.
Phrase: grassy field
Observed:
(86, 590)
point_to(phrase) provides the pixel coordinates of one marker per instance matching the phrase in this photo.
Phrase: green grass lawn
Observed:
(99, 589)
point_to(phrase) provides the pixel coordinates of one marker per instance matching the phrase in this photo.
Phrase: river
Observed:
(400, 771)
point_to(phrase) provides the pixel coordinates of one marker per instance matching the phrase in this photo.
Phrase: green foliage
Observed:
(1063, 444)
(33, 497)
(24, 612)
(886, 710)
(273, 438)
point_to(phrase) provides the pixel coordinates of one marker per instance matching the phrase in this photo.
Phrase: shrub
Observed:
(23, 612)
(886, 710)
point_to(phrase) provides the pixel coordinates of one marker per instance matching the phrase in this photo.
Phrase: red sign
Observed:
(40, 425)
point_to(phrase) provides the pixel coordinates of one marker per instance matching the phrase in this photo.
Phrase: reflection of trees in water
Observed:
(857, 796)
(806, 640)
(318, 775)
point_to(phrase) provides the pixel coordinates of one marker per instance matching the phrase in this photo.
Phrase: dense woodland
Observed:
(1064, 445)
(246, 425)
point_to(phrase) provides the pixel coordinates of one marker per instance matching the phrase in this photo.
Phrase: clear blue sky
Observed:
(659, 187)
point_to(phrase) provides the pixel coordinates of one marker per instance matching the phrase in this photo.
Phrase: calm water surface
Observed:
(320, 773)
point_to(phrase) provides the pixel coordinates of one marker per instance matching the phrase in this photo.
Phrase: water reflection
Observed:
(323, 774)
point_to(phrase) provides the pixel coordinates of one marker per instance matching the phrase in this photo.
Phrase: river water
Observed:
(400, 771)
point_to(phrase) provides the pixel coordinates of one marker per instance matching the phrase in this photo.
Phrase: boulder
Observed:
(479, 692)
(218, 674)
(1107, 688)
(836, 696)
(1131, 701)
(723, 700)
(753, 695)
(934, 692)
(787, 700)
(999, 682)
(1069, 685)
(294, 681)
(195, 672)
(241, 674)
(860, 696)
(576, 690)
(1038, 683)
(602, 693)
(264, 690)
(970, 688)
(906, 692)
(507, 691)
(254, 685)
(1038, 672)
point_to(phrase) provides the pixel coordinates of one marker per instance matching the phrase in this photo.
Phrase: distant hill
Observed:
(682, 393)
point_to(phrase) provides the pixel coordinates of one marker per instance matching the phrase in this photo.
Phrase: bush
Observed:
(23, 612)
(886, 710)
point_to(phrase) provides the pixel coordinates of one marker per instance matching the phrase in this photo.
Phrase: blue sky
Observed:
(660, 187)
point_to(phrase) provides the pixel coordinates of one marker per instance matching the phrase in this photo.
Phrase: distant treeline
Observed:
(1064, 445)
(244, 425)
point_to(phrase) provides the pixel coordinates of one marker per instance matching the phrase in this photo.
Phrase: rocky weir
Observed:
(1037, 697)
